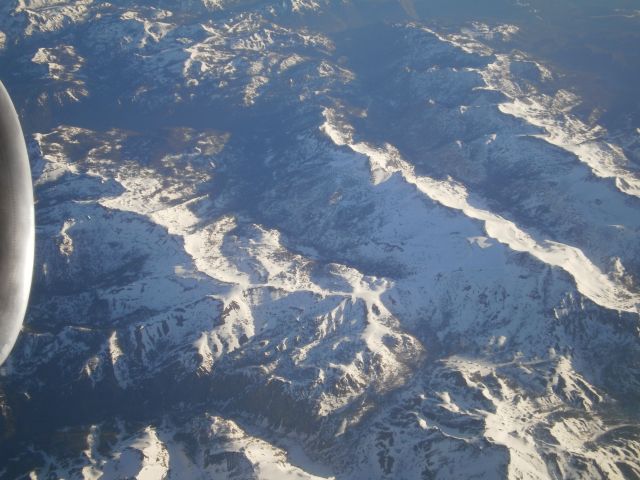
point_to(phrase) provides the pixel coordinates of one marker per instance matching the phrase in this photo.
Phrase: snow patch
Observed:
(64, 67)
(66, 242)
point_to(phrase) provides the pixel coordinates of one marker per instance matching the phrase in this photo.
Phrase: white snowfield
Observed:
(591, 282)
(551, 113)
(274, 260)
(152, 454)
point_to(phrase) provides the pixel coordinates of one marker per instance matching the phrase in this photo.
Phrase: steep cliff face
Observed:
(269, 248)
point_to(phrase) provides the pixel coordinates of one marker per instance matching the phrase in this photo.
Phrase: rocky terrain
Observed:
(293, 240)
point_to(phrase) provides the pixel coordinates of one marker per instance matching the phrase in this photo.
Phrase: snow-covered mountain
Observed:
(315, 239)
